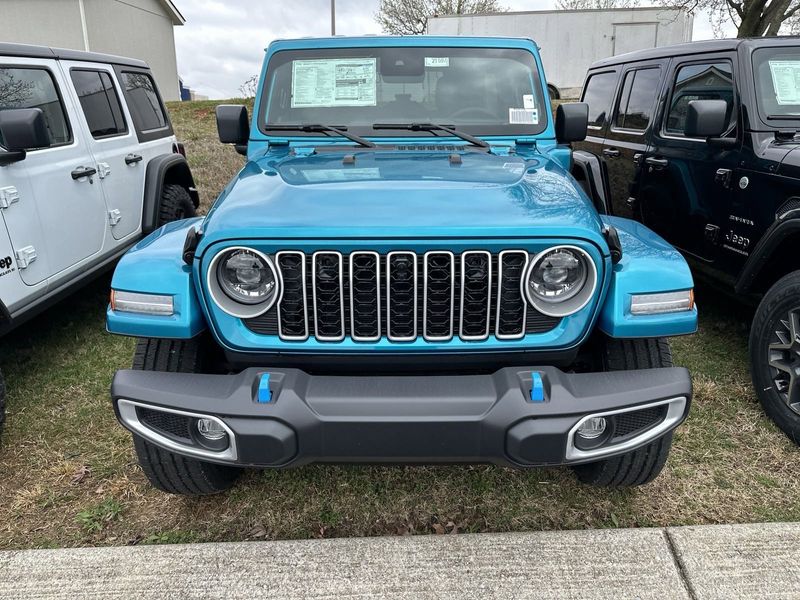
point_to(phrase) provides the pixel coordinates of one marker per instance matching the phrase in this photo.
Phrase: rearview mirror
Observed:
(572, 121)
(233, 126)
(22, 129)
(706, 118)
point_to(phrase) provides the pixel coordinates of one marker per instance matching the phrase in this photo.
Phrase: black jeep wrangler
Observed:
(699, 142)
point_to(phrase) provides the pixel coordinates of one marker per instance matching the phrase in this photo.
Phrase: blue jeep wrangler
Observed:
(404, 271)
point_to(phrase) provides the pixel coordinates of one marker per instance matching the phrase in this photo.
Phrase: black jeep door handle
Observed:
(611, 152)
(82, 172)
(132, 159)
(659, 163)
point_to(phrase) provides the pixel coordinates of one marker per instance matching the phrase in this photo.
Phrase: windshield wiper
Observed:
(434, 127)
(342, 131)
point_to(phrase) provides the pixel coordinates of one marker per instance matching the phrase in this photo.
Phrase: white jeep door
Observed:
(108, 126)
(57, 218)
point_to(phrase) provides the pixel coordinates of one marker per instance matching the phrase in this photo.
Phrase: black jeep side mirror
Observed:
(22, 129)
(572, 120)
(233, 126)
(706, 118)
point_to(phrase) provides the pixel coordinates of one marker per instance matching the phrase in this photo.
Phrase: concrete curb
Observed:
(729, 561)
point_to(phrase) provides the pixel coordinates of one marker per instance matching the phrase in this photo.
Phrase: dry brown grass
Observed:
(68, 476)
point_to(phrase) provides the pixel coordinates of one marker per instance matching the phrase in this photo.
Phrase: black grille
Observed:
(402, 295)
(511, 311)
(367, 296)
(635, 422)
(439, 300)
(165, 422)
(293, 306)
(328, 296)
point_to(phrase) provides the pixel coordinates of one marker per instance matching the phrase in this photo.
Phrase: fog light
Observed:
(211, 429)
(593, 428)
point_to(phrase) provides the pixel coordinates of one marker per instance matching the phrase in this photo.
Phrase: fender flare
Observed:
(776, 234)
(166, 168)
(593, 171)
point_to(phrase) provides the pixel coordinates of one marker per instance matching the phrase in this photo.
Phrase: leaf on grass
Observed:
(438, 528)
(80, 474)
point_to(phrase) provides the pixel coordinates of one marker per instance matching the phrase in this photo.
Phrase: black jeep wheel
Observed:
(166, 470)
(176, 204)
(642, 465)
(2, 402)
(775, 354)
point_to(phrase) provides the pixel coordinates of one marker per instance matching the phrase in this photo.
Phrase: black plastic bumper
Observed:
(419, 419)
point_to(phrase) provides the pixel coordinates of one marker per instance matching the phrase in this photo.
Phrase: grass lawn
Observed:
(68, 476)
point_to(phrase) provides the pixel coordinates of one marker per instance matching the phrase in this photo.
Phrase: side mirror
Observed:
(706, 118)
(233, 126)
(572, 121)
(22, 129)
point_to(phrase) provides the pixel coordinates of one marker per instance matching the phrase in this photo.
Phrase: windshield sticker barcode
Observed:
(523, 116)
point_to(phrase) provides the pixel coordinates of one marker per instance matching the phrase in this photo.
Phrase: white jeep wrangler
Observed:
(88, 165)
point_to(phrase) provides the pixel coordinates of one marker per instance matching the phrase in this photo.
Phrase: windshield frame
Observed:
(760, 56)
(283, 56)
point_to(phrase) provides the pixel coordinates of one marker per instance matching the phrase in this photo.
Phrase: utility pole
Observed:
(333, 17)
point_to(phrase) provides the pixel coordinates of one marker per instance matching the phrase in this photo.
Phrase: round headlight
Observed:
(243, 282)
(560, 281)
(246, 277)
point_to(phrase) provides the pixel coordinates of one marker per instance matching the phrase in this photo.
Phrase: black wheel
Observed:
(553, 92)
(166, 470)
(176, 204)
(2, 402)
(775, 354)
(642, 465)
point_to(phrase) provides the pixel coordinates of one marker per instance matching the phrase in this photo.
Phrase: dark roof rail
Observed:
(30, 51)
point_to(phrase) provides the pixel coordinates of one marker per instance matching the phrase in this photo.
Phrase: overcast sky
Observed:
(223, 41)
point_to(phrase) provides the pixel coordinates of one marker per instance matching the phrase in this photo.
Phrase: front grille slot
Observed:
(476, 295)
(401, 296)
(635, 422)
(439, 273)
(328, 295)
(171, 424)
(365, 296)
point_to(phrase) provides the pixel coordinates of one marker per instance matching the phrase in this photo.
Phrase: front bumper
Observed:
(409, 419)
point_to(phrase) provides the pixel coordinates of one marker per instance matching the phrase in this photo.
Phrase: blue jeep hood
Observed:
(410, 194)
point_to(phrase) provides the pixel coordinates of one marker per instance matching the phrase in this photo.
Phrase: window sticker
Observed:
(523, 116)
(786, 80)
(437, 61)
(527, 101)
(334, 82)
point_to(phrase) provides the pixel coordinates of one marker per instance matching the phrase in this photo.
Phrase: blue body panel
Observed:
(155, 266)
(290, 197)
(649, 265)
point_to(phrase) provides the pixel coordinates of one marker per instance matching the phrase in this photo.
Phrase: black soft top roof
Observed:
(695, 48)
(30, 51)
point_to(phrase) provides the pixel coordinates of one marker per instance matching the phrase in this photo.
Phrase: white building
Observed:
(140, 29)
(571, 40)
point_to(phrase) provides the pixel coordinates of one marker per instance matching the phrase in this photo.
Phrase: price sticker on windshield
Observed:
(437, 61)
(523, 116)
(786, 80)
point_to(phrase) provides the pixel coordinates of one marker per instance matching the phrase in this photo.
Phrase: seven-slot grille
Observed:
(402, 296)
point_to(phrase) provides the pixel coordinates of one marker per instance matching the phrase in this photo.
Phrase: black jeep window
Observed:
(702, 81)
(636, 102)
(143, 101)
(597, 94)
(100, 103)
(35, 88)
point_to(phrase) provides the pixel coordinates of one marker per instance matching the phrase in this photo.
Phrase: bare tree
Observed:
(752, 18)
(410, 17)
(250, 87)
(15, 93)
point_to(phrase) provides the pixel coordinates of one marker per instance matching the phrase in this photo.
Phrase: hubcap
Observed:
(784, 358)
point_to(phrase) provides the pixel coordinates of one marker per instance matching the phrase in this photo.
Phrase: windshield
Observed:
(777, 76)
(481, 91)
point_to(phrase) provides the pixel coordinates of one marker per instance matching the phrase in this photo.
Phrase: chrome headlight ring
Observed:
(224, 300)
(574, 302)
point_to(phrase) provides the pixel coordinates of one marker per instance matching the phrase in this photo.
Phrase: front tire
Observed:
(176, 204)
(775, 354)
(167, 471)
(644, 464)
